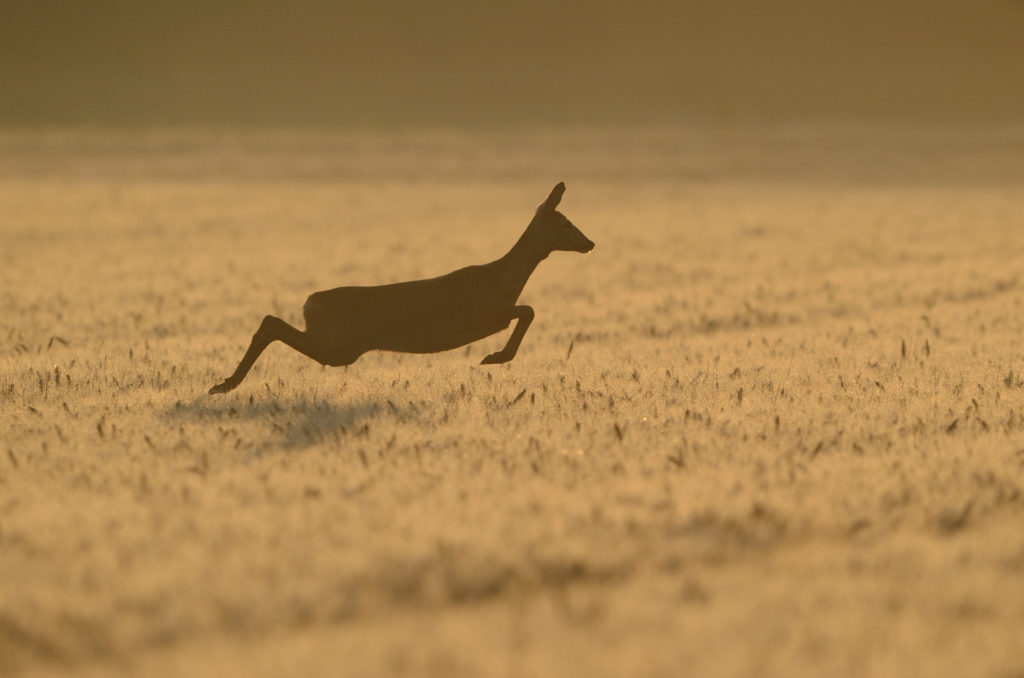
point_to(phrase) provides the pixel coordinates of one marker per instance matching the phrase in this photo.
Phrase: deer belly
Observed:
(406, 317)
(431, 334)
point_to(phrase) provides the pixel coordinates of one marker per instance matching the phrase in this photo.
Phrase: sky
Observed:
(382, 63)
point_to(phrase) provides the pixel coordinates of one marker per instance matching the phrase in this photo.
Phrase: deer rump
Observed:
(419, 316)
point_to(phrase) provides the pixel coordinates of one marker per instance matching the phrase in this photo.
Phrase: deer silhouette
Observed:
(424, 316)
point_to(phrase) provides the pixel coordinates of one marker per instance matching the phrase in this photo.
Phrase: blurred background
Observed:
(803, 310)
(462, 63)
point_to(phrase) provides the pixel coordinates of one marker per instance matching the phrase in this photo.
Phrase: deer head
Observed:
(551, 231)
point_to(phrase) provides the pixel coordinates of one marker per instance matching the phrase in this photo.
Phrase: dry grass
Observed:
(773, 425)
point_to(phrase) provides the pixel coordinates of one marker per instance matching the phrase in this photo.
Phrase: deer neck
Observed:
(518, 265)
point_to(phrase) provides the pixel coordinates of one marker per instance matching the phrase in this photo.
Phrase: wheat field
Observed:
(772, 425)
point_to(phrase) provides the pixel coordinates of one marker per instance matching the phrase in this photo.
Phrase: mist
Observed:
(396, 63)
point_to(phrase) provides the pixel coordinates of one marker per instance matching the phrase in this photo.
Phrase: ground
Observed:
(772, 425)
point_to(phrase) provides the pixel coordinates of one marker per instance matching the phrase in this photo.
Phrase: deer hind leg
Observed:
(274, 329)
(525, 315)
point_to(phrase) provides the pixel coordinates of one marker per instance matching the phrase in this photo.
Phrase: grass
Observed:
(771, 426)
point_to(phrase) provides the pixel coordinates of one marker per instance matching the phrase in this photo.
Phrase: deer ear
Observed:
(551, 203)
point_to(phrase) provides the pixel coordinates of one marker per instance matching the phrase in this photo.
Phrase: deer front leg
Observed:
(525, 315)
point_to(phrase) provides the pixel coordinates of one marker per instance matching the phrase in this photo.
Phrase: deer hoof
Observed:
(494, 359)
(223, 387)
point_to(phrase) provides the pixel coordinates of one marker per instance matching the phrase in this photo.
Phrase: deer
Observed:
(424, 316)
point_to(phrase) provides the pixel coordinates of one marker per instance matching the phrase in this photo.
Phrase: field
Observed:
(772, 425)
